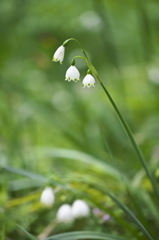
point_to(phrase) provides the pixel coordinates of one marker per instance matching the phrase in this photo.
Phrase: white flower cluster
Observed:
(67, 213)
(72, 73)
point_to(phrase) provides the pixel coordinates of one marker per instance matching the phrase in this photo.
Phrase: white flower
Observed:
(47, 197)
(88, 81)
(59, 54)
(80, 209)
(72, 74)
(64, 214)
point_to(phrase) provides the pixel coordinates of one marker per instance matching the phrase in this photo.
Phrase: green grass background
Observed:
(69, 134)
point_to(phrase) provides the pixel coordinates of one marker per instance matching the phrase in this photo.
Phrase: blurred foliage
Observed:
(69, 134)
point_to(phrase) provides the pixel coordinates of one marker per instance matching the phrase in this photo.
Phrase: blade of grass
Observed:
(130, 214)
(83, 157)
(83, 235)
(3, 232)
(25, 173)
(34, 176)
(28, 234)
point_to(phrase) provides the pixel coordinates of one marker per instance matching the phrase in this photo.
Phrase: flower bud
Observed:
(64, 214)
(72, 74)
(47, 197)
(88, 81)
(59, 54)
(80, 209)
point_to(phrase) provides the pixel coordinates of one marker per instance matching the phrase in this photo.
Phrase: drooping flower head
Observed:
(72, 74)
(80, 209)
(47, 197)
(59, 54)
(64, 214)
(88, 81)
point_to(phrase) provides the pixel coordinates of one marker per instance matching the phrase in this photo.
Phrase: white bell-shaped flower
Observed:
(72, 74)
(80, 209)
(88, 81)
(47, 197)
(59, 54)
(64, 214)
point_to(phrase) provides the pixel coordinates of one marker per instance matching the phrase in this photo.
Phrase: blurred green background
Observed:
(47, 125)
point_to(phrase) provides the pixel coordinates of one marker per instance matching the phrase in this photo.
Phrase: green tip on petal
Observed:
(89, 71)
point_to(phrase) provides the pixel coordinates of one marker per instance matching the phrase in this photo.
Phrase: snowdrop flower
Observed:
(80, 209)
(59, 54)
(72, 74)
(47, 197)
(64, 214)
(88, 81)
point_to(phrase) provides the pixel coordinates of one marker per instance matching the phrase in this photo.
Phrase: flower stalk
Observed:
(127, 130)
(121, 118)
(73, 74)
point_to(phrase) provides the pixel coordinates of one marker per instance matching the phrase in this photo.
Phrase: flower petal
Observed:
(59, 54)
(88, 81)
(72, 74)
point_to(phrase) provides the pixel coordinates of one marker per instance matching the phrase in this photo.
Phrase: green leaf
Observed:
(83, 157)
(28, 234)
(83, 235)
(26, 174)
(3, 232)
(131, 215)
(34, 176)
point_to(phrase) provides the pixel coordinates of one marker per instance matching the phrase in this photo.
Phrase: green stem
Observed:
(122, 120)
(129, 133)
(78, 57)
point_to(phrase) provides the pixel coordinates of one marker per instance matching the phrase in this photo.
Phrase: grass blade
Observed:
(131, 215)
(83, 157)
(3, 232)
(28, 234)
(34, 176)
(83, 235)
(25, 173)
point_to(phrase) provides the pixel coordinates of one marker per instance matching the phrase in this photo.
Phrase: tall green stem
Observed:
(130, 135)
(128, 131)
(121, 118)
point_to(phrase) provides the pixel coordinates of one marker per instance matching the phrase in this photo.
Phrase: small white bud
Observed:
(59, 54)
(47, 197)
(72, 74)
(88, 81)
(64, 214)
(80, 209)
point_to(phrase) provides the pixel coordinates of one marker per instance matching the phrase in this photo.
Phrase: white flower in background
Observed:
(64, 214)
(80, 209)
(47, 197)
(153, 74)
(88, 81)
(59, 54)
(72, 74)
(90, 20)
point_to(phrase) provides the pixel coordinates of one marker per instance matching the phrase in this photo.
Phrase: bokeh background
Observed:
(63, 131)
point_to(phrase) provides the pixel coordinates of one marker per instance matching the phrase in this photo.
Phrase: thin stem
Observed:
(121, 118)
(129, 133)
(78, 57)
